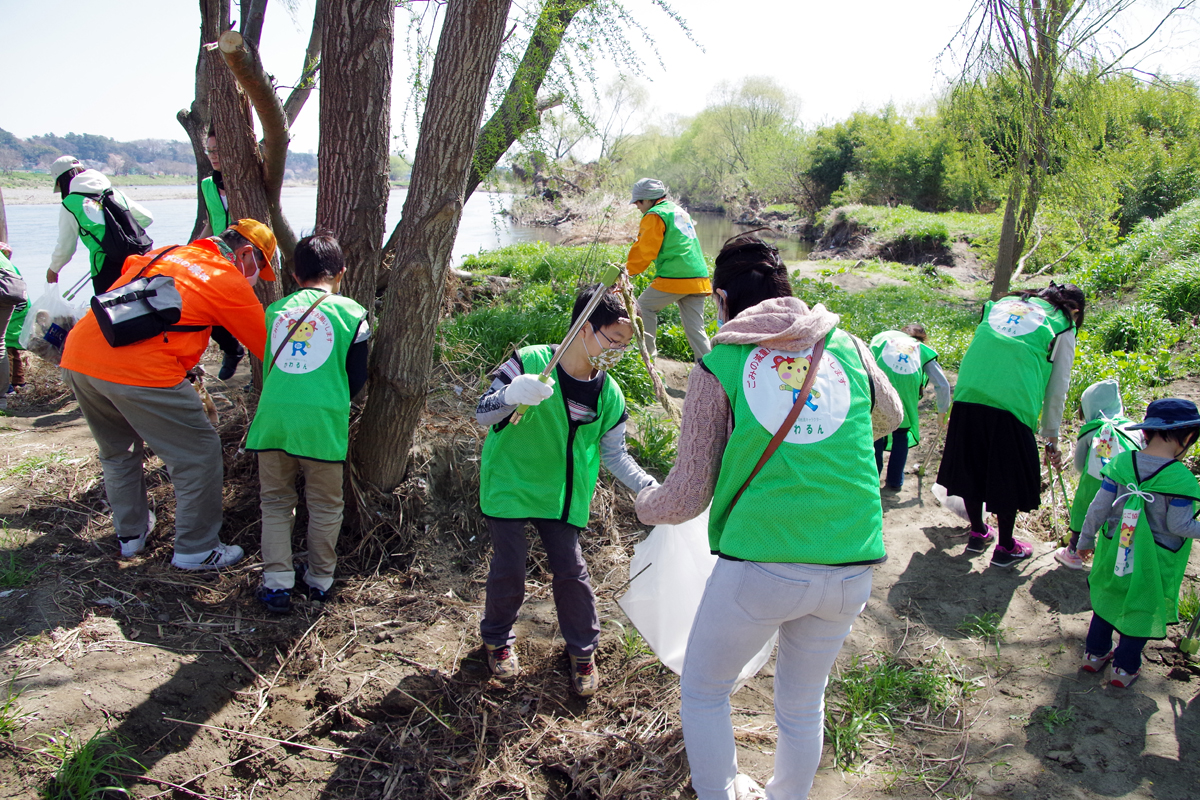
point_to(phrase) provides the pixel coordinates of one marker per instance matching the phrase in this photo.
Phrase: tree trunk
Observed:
(3, 219)
(400, 363)
(1011, 242)
(352, 156)
(214, 19)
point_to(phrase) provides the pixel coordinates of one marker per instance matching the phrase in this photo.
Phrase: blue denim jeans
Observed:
(895, 468)
(1129, 650)
(812, 607)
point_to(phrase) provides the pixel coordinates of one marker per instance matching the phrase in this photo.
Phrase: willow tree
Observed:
(1021, 50)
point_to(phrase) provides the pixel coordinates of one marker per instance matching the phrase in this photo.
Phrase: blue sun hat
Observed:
(1168, 415)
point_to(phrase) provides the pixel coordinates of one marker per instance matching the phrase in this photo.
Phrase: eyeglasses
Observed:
(612, 345)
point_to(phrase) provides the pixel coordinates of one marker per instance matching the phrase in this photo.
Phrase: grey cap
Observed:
(648, 189)
(62, 164)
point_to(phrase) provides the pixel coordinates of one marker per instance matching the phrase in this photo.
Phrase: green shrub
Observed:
(1152, 244)
(1175, 288)
(1140, 327)
(652, 442)
(1136, 372)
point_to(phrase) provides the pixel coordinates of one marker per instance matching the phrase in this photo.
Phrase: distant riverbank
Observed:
(45, 195)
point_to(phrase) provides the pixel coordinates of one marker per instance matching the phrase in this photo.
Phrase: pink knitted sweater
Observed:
(784, 323)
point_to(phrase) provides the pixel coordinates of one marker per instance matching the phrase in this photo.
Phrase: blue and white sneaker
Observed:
(277, 601)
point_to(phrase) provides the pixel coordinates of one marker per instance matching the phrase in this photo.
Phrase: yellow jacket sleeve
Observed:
(649, 242)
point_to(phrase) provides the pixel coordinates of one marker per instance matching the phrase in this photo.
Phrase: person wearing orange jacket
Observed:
(667, 238)
(139, 394)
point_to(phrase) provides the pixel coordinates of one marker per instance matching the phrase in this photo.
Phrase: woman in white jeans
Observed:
(796, 517)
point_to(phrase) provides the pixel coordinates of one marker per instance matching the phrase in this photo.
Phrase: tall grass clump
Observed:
(88, 769)
(653, 442)
(1150, 245)
(12, 716)
(541, 262)
(1175, 288)
(1138, 327)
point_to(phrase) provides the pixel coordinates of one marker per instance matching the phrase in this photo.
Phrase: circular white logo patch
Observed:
(684, 223)
(309, 346)
(1016, 317)
(902, 355)
(772, 380)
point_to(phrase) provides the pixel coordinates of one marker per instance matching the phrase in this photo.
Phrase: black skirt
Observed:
(991, 456)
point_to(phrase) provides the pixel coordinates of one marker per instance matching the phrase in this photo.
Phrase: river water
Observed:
(33, 231)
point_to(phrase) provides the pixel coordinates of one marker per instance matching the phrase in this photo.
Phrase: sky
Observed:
(131, 66)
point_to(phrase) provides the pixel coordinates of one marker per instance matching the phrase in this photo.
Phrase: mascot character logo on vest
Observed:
(1016, 317)
(793, 372)
(771, 402)
(902, 356)
(311, 342)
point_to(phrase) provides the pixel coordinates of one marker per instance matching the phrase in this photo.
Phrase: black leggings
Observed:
(1006, 521)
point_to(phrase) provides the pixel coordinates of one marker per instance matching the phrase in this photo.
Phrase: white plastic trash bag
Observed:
(47, 323)
(952, 503)
(670, 569)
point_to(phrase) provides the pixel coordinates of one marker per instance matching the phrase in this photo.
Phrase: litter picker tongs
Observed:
(607, 279)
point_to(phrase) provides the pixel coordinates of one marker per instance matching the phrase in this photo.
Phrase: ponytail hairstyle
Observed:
(916, 330)
(1066, 297)
(749, 271)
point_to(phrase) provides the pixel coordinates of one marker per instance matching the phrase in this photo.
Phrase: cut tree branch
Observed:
(247, 68)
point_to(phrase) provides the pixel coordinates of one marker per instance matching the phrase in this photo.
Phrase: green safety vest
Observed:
(91, 228)
(903, 360)
(1008, 363)
(305, 405)
(17, 320)
(1134, 580)
(218, 215)
(680, 255)
(546, 466)
(816, 500)
(1108, 442)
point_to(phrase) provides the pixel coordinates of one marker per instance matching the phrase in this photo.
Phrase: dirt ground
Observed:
(383, 693)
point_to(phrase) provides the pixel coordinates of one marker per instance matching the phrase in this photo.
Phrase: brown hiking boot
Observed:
(584, 675)
(502, 661)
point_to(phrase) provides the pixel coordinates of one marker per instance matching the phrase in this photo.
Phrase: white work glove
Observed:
(527, 390)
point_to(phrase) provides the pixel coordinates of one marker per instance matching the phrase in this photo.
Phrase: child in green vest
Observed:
(1103, 437)
(14, 303)
(543, 471)
(316, 361)
(909, 364)
(1145, 513)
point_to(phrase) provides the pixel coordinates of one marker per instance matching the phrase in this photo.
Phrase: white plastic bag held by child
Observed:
(670, 568)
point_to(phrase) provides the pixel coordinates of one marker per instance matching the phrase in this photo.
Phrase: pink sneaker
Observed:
(978, 542)
(1068, 558)
(1007, 556)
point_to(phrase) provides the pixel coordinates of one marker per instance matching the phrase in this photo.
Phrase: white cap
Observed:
(648, 189)
(62, 164)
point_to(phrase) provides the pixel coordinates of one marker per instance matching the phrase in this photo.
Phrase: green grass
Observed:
(879, 692)
(1138, 327)
(983, 626)
(1150, 245)
(1175, 288)
(13, 574)
(86, 769)
(1189, 605)
(950, 321)
(652, 442)
(18, 179)
(12, 716)
(906, 223)
(31, 464)
(1054, 718)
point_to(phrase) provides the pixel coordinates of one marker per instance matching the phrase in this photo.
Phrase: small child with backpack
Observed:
(1140, 527)
(317, 351)
(1104, 436)
(544, 470)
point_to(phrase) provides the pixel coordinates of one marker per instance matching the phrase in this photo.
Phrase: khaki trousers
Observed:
(691, 314)
(323, 493)
(123, 419)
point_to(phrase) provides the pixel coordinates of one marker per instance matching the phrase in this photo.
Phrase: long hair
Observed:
(1066, 297)
(750, 271)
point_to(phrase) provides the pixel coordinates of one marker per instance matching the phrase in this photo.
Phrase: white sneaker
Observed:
(746, 788)
(223, 555)
(131, 547)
